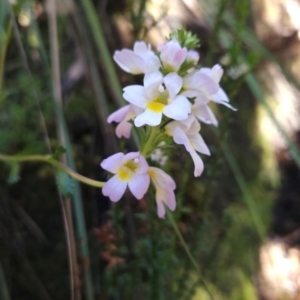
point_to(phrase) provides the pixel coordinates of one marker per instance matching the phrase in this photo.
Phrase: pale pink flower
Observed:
(122, 116)
(200, 85)
(192, 56)
(187, 133)
(141, 60)
(172, 55)
(165, 186)
(158, 96)
(216, 73)
(131, 170)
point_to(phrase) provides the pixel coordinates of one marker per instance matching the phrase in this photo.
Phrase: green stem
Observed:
(93, 21)
(188, 252)
(3, 52)
(4, 293)
(55, 163)
(148, 147)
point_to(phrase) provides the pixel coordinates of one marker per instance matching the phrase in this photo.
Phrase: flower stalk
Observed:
(50, 160)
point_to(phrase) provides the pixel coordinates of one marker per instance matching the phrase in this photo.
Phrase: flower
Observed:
(216, 73)
(187, 133)
(158, 96)
(165, 186)
(203, 113)
(130, 169)
(172, 55)
(141, 60)
(122, 116)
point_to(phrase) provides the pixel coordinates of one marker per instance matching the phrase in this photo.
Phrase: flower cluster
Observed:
(173, 99)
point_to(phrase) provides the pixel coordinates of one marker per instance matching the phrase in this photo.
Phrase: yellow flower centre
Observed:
(158, 104)
(131, 165)
(155, 106)
(126, 172)
(169, 69)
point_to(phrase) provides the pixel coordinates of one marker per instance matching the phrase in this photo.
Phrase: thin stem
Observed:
(4, 293)
(3, 52)
(188, 252)
(93, 21)
(48, 159)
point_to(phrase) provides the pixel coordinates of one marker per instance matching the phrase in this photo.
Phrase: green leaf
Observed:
(58, 152)
(65, 184)
(14, 174)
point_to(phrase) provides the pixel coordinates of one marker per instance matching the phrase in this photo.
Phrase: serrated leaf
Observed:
(65, 184)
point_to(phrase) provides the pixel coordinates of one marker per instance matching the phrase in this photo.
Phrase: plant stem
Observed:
(4, 293)
(97, 32)
(188, 252)
(48, 159)
(3, 51)
(147, 148)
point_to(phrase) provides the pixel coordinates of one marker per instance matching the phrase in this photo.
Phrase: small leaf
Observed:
(58, 152)
(14, 174)
(65, 184)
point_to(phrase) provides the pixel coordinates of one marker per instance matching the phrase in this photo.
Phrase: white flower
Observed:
(187, 133)
(122, 116)
(141, 60)
(165, 187)
(172, 55)
(130, 169)
(158, 96)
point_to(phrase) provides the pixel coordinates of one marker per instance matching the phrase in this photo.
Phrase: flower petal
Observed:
(148, 117)
(140, 48)
(199, 166)
(170, 200)
(172, 55)
(143, 165)
(164, 185)
(129, 61)
(220, 96)
(130, 156)
(180, 138)
(205, 83)
(216, 73)
(114, 188)
(124, 129)
(178, 109)
(173, 84)
(135, 95)
(204, 114)
(192, 56)
(139, 185)
(161, 211)
(151, 79)
(161, 178)
(113, 163)
(119, 115)
(199, 144)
